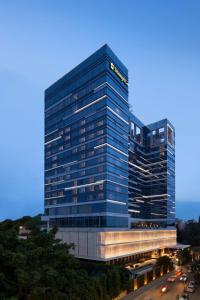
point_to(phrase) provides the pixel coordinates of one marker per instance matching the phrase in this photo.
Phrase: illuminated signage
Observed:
(116, 71)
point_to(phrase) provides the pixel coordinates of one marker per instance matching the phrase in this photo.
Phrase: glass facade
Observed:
(86, 144)
(151, 174)
(103, 167)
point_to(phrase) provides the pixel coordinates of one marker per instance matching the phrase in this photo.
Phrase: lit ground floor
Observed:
(118, 246)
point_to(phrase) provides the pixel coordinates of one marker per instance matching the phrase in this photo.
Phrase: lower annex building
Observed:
(109, 178)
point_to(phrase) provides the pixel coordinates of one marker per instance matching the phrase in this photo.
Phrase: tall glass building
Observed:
(86, 144)
(103, 167)
(151, 174)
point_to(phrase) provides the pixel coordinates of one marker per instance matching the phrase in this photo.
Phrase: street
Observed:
(153, 292)
(175, 289)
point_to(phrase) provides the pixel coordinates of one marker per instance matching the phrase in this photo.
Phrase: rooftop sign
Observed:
(116, 71)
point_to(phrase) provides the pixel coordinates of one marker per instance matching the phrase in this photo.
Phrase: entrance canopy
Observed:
(180, 246)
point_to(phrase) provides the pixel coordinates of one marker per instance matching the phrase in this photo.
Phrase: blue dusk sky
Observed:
(40, 41)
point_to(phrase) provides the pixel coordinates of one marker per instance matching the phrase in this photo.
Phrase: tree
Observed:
(189, 234)
(163, 261)
(197, 277)
(42, 268)
(184, 256)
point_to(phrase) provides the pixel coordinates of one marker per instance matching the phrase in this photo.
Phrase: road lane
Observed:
(153, 290)
(175, 288)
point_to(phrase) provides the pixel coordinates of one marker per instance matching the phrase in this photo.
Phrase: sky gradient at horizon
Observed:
(158, 41)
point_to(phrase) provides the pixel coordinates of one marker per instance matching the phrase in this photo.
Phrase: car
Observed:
(171, 279)
(191, 287)
(184, 297)
(164, 288)
(183, 277)
(192, 282)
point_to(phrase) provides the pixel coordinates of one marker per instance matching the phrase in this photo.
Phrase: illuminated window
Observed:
(101, 187)
(67, 138)
(100, 123)
(161, 130)
(67, 129)
(99, 132)
(82, 190)
(82, 130)
(100, 195)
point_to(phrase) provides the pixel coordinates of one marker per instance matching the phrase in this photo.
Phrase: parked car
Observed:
(191, 287)
(184, 297)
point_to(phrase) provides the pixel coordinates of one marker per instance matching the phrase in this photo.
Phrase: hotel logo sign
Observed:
(116, 71)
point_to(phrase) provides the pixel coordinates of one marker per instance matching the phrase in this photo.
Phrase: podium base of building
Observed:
(114, 245)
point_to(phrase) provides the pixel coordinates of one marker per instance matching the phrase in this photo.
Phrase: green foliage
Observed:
(189, 234)
(163, 261)
(197, 277)
(184, 256)
(40, 267)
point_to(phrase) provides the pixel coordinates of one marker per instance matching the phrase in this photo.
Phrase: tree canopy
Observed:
(189, 233)
(163, 261)
(41, 267)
